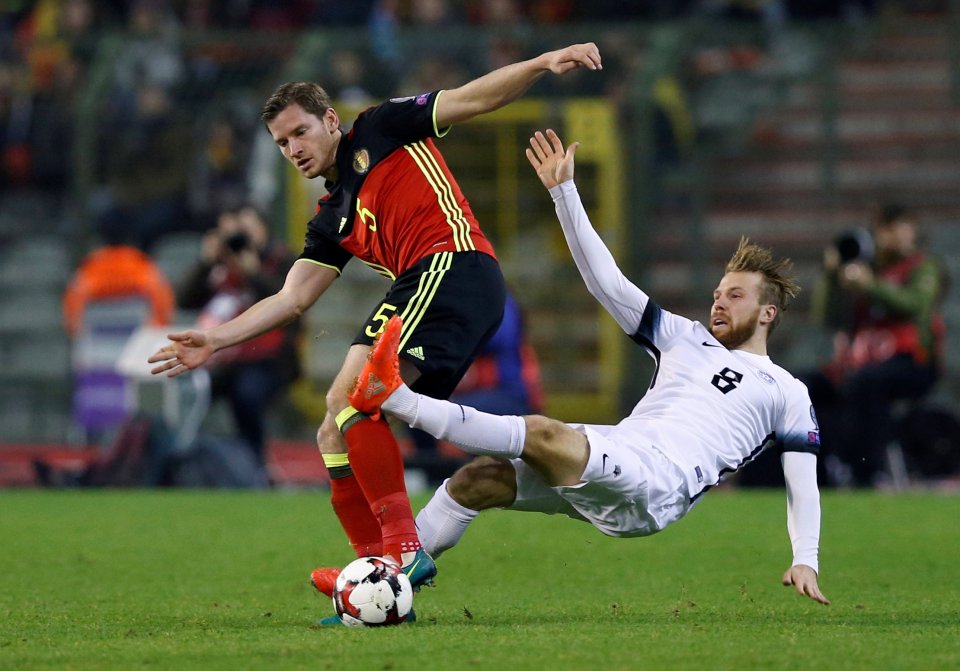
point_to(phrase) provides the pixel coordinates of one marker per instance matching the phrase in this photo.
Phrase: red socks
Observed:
(355, 515)
(376, 461)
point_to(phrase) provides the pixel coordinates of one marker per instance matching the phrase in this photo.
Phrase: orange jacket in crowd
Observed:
(117, 272)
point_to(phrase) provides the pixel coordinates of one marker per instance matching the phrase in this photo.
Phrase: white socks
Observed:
(442, 522)
(475, 432)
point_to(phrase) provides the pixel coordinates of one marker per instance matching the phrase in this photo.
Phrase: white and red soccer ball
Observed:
(372, 592)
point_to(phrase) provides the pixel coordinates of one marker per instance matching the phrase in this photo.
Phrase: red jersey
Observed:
(395, 200)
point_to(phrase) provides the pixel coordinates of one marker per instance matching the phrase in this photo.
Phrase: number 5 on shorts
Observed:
(382, 317)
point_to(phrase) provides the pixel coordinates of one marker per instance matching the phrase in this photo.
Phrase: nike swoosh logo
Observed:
(706, 343)
(413, 567)
(603, 464)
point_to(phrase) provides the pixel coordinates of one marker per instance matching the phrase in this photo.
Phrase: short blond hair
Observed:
(779, 286)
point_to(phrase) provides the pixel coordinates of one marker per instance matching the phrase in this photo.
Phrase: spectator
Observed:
(38, 89)
(497, 12)
(148, 169)
(434, 71)
(348, 73)
(15, 123)
(383, 24)
(142, 133)
(153, 50)
(115, 271)
(241, 264)
(274, 15)
(880, 296)
(432, 14)
(219, 179)
(339, 13)
(116, 289)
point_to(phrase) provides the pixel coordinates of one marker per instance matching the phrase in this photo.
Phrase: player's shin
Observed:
(442, 522)
(378, 465)
(351, 507)
(475, 432)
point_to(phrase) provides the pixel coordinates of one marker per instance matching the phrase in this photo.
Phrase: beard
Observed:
(737, 335)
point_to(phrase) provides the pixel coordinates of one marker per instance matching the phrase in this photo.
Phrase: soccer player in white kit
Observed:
(715, 401)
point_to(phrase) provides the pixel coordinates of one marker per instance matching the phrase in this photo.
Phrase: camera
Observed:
(237, 242)
(854, 245)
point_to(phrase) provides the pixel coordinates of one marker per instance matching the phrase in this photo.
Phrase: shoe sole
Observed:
(389, 338)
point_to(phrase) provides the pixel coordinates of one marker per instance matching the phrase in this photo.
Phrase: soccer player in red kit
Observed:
(393, 203)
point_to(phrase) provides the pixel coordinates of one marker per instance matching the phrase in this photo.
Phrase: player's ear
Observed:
(768, 313)
(331, 119)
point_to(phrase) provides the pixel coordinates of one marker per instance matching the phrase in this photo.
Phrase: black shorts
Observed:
(451, 305)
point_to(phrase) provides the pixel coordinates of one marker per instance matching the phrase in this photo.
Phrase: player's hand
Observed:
(575, 56)
(804, 580)
(187, 350)
(552, 163)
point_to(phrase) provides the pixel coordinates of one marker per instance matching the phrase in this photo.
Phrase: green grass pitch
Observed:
(218, 580)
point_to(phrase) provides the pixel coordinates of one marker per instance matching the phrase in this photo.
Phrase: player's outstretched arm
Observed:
(803, 521)
(504, 85)
(187, 350)
(604, 280)
(804, 580)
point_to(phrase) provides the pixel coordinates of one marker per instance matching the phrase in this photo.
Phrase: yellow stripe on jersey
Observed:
(455, 216)
(439, 132)
(445, 196)
(426, 290)
(383, 270)
(425, 161)
(324, 265)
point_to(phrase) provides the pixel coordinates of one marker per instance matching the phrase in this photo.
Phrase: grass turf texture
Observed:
(215, 580)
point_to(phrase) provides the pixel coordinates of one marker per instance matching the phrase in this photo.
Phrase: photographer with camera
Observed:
(879, 295)
(239, 265)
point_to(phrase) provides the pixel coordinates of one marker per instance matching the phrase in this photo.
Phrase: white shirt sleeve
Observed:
(803, 507)
(596, 264)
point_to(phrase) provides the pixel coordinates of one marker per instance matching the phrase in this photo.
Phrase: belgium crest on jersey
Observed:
(361, 161)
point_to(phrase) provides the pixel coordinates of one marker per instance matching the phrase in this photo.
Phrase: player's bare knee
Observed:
(485, 482)
(543, 433)
(336, 400)
(556, 451)
(329, 439)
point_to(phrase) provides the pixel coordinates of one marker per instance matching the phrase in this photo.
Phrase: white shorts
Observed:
(627, 490)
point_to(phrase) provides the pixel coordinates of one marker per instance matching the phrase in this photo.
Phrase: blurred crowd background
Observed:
(130, 148)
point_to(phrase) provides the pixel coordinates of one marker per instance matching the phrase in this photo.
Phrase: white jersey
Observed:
(709, 410)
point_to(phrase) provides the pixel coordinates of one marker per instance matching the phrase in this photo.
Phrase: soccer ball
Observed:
(372, 592)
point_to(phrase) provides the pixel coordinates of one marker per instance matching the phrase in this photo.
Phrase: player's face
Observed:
(735, 314)
(308, 142)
